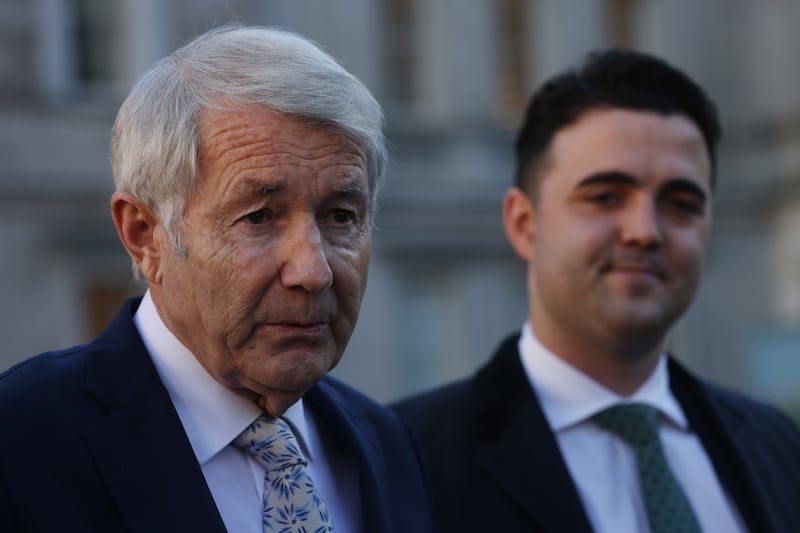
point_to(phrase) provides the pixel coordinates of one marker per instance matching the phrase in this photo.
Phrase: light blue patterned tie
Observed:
(291, 504)
(668, 509)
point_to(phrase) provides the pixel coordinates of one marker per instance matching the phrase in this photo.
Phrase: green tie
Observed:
(668, 509)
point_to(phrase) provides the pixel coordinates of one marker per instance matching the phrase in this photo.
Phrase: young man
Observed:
(582, 422)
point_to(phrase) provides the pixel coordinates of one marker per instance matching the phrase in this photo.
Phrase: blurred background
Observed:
(453, 77)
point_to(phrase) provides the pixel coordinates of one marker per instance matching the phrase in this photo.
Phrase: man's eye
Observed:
(689, 205)
(256, 217)
(343, 216)
(605, 198)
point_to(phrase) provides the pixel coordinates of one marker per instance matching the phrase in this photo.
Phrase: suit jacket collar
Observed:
(155, 483)
(158, 484)
(509, 424)
(719, 429)
(360, 439)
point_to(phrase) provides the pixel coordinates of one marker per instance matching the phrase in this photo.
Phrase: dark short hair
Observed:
(615, 78)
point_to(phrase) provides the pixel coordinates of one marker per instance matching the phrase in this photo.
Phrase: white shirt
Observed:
(603, 466)
(213, 415)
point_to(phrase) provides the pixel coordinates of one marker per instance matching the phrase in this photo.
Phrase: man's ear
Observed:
(519, 220)
(140, 231)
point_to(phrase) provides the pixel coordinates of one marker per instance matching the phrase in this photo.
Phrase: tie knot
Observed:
(636, 423)
(271, 442)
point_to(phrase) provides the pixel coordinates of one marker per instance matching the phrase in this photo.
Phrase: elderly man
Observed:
(246, 166)
(583, 422)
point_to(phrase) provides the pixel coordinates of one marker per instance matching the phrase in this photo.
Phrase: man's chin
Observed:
(293, 376)
(276, 403)
(281, 379)
(639, 318)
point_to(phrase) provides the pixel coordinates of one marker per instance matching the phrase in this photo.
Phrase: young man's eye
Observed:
(694, 208)
(688, 204)
(605, 198)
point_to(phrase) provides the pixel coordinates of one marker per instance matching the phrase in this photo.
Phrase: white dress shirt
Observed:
(603, 466)
(213, 416)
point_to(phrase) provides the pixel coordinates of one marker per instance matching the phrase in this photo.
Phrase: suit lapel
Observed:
(515, 445)
(340, 421)
(140, 448)
(508, 423)
(718, 431)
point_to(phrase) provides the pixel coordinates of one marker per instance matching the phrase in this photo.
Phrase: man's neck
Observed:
(621, 366)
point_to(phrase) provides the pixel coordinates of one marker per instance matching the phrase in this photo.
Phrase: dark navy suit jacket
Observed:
(494, 464)
(90, 442)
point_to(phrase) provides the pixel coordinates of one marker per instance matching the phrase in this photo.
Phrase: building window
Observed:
(102, 302)
(77, 47)
(93, 37)
(513, 35)
(399, 59)
(622, 15)
(425, 298)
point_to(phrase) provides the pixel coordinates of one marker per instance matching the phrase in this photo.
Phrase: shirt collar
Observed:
(211, 414)
(569, 397)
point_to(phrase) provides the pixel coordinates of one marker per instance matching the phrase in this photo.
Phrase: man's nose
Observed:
(305, 262)
(641, 225)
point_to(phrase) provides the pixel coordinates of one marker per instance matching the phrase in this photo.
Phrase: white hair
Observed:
(154, 146)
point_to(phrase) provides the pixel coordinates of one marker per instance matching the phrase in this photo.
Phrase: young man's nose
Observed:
(641, 225)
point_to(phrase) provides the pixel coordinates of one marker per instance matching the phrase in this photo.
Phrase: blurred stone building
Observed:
(453, 76)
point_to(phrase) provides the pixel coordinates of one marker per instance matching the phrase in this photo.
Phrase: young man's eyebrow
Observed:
(621, 178)
(607, 177)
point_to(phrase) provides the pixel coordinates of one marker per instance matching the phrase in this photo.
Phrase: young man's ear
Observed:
(518, 220)
(140, 231)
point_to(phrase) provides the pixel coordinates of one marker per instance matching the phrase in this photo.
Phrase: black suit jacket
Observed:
(494, 463)
(90, 442)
